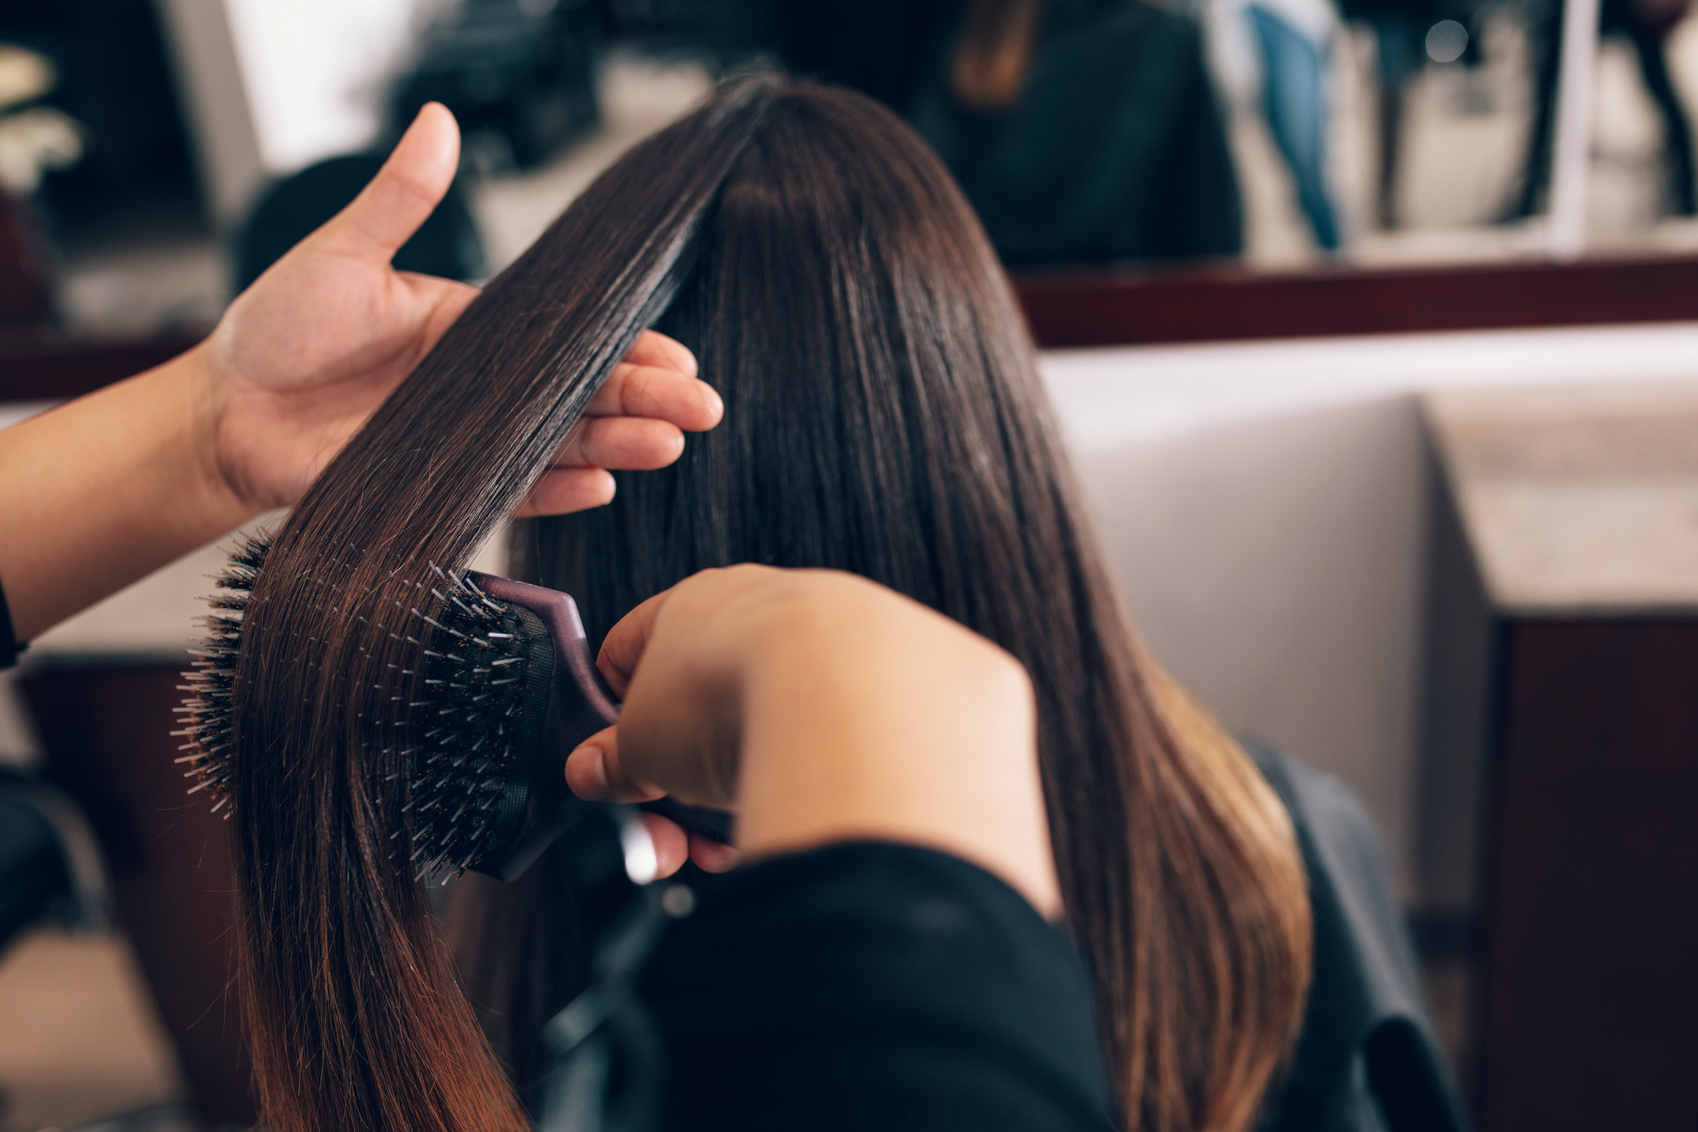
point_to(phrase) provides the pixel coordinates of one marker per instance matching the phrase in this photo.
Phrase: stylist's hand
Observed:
(821, 707)
(307, 353)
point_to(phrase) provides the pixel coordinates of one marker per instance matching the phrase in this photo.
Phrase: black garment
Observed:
(1116, 149)
(1649, 37)
(1367, 1059)
(790, 964)
(869, 986)
(32, 867)
(9, 646)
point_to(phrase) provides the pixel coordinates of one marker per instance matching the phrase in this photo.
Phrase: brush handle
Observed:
(715, 825)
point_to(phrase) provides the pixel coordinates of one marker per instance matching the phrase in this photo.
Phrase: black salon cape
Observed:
(881, 986)
(873, 986)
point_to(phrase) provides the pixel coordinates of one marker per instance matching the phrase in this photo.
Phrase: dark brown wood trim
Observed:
(1232, 303)
(1115, 308)
(51, 365)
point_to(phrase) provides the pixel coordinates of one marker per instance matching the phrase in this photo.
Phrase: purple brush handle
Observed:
(579, 704)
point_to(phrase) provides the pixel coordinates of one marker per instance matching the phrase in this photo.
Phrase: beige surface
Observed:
(159, 615)
(78, 1038)
(162, 614)
(1577, 500)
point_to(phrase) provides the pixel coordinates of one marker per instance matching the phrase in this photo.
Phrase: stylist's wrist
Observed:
(879, 719)
(208, 398)
(196, 502)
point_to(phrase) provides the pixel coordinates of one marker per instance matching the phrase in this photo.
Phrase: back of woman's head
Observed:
(883, 415)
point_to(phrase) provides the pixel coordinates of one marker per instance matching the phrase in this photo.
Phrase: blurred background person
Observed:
(1398, 29)
(1275, 58)
(1647, 25)
(1083, 131)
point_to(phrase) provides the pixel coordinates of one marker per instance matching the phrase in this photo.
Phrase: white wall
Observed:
(273, 85)
(1264, 506)
(215, 101)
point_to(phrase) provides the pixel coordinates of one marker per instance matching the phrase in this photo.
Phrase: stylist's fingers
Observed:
(594, 772)
(712, 857)
(657, 379)
(636, 421)
(652, 348)
(403, 194)
(622, 442)
(671, 845)
(624, 644)
(579, 479)
(562, 491)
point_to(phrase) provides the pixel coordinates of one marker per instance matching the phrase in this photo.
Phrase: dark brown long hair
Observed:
(883, 416)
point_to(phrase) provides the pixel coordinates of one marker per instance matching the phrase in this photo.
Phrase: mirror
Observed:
(1122, 138)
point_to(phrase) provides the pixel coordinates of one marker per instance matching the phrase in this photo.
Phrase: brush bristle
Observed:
(458, 711)
(463, 726)
(206, 711)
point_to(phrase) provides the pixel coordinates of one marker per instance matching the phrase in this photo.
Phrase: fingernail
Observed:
(588, 767)
(717, 858)
(714, 402)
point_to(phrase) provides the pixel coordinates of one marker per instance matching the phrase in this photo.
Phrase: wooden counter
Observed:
(1561, 801)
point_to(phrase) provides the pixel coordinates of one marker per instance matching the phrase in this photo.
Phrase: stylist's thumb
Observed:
(403, 194)
(675, 661)
(595, 772)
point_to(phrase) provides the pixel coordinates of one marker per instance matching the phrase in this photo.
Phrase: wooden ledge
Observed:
(1211, 304)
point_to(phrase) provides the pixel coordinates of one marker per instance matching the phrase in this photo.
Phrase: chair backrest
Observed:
(289, 210)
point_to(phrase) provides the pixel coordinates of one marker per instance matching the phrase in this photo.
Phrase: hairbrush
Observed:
(505, 688)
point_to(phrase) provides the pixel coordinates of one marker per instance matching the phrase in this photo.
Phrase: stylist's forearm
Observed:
(102, 491)
(850, 733)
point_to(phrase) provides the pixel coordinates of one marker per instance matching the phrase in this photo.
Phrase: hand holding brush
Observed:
(820, 707)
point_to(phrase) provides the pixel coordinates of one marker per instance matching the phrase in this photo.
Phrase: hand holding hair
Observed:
(304, 356)
(107, 488)
(822, 707)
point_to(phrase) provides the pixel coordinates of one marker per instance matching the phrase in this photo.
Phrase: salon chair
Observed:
(104, 725)
(519, 76)
(50, 867)
(291, 209)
